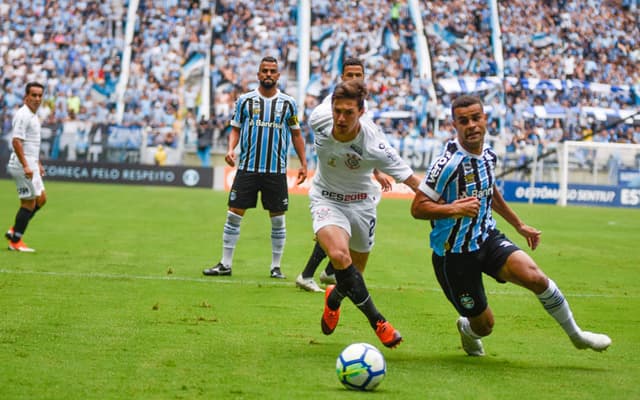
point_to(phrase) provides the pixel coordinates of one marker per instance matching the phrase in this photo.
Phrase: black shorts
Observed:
(273, 188)
(460, 274)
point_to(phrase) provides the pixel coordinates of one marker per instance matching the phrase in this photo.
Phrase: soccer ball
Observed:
(361, 366)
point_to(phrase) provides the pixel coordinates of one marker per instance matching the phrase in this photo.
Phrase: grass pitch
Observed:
(113, 306)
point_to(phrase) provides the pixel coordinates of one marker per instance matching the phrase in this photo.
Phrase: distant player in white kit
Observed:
(344, 199)
(24, 165)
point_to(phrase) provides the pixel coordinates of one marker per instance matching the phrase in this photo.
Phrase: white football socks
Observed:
(230, 235)
(557, 306)
(278, 238)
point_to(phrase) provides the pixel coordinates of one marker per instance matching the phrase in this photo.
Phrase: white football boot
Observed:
(589, 340)
(471, 346)
(308, 284)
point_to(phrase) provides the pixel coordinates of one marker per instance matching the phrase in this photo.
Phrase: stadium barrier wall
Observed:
(577, 194)
(398, 190)
(625, 195)
(136, 174)
(513, 191)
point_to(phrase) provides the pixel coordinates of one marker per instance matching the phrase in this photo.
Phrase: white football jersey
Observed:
(26, 126)
(344, 172)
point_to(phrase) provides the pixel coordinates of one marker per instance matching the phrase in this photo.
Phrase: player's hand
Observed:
(230, 158)
(467, 207)
(28, 173)
(302, 175)
(41, 168)
(531, 234)
(383, 179)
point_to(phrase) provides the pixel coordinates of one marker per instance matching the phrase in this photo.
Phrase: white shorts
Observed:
(358, 222)
(27, 188)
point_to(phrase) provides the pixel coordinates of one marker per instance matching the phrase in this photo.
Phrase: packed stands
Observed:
(548, 71)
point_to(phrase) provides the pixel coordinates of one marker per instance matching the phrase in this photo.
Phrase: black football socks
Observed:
(22, 220)
(314, 260)
(351, 283)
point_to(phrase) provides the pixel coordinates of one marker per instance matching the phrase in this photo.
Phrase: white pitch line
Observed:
(267, 282)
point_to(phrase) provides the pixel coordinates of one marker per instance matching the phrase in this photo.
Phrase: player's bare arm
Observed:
(530, 233)
(423, 207)
(383, 179)
(413, 182)
(298, 145)
(234, 138)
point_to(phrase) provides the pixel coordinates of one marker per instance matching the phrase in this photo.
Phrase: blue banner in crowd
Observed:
(583, 195)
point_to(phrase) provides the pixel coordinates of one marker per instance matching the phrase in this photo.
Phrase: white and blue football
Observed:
(361, 366)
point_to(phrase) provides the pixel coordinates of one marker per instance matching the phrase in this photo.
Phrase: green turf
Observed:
(113, 306)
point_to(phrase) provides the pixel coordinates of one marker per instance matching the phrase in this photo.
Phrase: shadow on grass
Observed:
(457, 362)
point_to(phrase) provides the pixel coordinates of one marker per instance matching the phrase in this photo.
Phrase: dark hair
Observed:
(354, 89)
(269, 59)
(465, 100)
(33, 84)
(352, 61)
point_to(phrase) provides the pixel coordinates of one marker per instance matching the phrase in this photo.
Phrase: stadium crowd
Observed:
(77, 49)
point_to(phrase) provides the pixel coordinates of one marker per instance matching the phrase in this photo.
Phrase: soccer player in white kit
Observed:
(352, 68)
(24, 165)
(344, 199)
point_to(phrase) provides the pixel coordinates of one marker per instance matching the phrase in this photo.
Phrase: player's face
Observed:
(352, 72)
(346, 119)
(268, 74)
(471, 125)
(34, 98)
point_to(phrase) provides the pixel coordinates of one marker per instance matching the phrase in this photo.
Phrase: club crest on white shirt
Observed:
(352, 161)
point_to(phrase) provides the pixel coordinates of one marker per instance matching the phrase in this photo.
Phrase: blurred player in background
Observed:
(352, 68)
(344, 200)
(264, 122)
(458, 195)
(24, 165)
